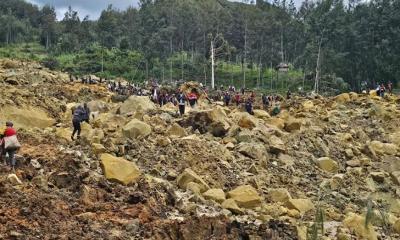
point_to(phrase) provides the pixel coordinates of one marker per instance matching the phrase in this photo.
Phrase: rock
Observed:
(97, 106)
(245, 196)
(395, 177)
(136, 103)
(119, 170)
(383, 148)
(396, 226)
(378, 177)
(307, 105)
(247, 121)
(327, 164)
(230, 146)
(279, 195)
(343, 98)
(176, 131)
(356, 224)
(215, 194)
(136, 129)
(292, 125)
(26, 118)
(353, 163)
(194, 188)
(349, 153)
(336, 181)
(13, 179)
(353, 96)
(301, 205)
(64, 133)
(252, 150)
(258, 113)
(245, 135)
(163, 141)
(35, 163)
(187, 176)
(98, 148)
(232, 206)
(276, 145)
(277, 122)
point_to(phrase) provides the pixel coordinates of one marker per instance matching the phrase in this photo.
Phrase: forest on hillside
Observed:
(342, 43)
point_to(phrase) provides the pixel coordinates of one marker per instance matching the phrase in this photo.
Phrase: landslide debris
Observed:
(141, 172)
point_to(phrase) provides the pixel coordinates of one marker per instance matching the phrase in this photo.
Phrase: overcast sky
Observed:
(92, 8)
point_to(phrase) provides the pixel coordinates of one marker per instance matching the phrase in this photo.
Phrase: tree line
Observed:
(337, 42)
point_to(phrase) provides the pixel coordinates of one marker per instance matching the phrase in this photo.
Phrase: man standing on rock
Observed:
(181, 102)
(80, 114)
(249, 106)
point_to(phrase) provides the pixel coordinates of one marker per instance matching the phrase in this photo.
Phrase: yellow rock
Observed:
(245, 196)
(279, 195)
(190, 176)
(383, 148)
(396, 226)
(194, 188)
(64, 133)
(247, 121)
(232, 206)
(136, 129)
(353, 96)
(258, 113)
(277, 122)
(176, 131)
(292, 124)
(98, 148)
(119, 170)
(342, 98)
(301, 205)
(328, 164)
(215, 194)
(307, 105)
(356, 223)
(395, 177)
(26, 117)
(136, 103)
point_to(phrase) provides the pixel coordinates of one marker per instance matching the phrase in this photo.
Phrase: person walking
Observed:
(181, 102)
(9, 145)
(80, 114)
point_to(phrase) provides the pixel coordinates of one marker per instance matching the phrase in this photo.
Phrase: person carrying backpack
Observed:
(9, 145)
(80, 114)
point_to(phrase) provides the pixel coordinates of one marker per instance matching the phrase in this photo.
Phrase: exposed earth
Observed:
(142, 172)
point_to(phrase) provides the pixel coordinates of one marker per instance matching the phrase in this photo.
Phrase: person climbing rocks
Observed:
(192, 97)
(390, 87)
(227, 98)
(9, 145)
(181, 102)
(276, 110)
(382, 90)
(265, 101)
(288, 94)
(249, 106)
(80, 114)
(237, 98)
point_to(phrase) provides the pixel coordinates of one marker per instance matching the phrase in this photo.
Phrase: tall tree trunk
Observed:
(212, 65)
(317, 70)
(245, 55)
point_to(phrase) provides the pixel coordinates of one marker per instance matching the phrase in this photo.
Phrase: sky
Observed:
(92, 8)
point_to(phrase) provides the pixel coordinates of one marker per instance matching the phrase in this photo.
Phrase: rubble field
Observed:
(142, 172)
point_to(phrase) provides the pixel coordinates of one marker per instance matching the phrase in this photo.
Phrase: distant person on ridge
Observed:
(181, 102)
(80, 114)
(249, 106)
(227, 98)
(192, 97)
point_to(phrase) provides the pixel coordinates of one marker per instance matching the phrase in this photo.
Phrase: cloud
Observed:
(92, 8)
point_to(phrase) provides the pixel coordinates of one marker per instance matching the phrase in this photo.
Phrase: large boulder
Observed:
(343, 98)
(119, 170)
(187, 176)
(136, 103)
(232, 206)
(244, 120)
(307, 105)
(26, 117)
(245, 196)
(258, 113)
(395, 177)
(98, 106)
(136, 129)
(276, 122)
(356, 224)
(215, 194)
(327, 164)
(301, 205)
(279, 195)
(292, 124)
(276, 145)
(109, 121)
(383, 148)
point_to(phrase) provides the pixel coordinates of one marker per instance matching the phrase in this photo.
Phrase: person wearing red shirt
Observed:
(9, 132)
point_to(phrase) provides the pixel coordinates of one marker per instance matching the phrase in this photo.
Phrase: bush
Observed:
(51, 63)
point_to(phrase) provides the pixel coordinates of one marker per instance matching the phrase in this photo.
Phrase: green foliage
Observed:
(316, 230)
(50, 62)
